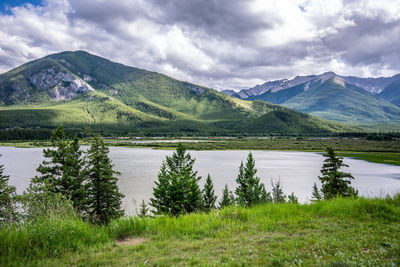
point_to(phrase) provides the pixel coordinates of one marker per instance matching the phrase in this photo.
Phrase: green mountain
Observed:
(331, 97)
(392, 93)
(79, 89)
(336, 100)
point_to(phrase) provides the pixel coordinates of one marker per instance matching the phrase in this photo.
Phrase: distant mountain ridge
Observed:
(79, 89)
(347, 99)
(372, 85)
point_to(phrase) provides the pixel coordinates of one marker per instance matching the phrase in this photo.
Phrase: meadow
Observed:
(338, 232)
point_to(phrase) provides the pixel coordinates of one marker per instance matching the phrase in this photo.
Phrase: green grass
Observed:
(338, 232)
(295, 144)
(377, 157)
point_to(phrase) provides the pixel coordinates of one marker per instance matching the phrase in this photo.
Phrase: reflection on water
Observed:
(297, 171)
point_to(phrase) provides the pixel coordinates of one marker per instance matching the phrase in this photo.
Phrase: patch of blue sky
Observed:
(7, 5)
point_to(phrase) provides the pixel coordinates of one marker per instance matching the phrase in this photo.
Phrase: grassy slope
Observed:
(348, 104)
(89, 109)
(163, 105)
(340, 232)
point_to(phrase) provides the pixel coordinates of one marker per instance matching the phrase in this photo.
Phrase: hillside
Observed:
(340, 232)
(335, 100)
(392, 93)
(79, 89)
(332, 97)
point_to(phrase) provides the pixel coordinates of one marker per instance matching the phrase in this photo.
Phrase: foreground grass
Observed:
(337, 232)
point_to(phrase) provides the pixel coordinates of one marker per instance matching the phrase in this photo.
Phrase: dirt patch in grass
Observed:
(130, 241)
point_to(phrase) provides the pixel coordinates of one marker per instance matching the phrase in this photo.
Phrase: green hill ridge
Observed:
(79, 89)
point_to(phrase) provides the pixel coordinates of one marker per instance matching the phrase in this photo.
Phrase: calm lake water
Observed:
(297, 171)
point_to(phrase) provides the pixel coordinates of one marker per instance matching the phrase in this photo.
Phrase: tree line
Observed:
(88, 182)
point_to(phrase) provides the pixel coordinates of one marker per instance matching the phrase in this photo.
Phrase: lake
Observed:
(297, 171)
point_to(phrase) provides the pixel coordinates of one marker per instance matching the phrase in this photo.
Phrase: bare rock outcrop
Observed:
(59, 85)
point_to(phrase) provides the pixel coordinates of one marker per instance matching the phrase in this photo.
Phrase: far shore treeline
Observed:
(26, 134)
(87, 182)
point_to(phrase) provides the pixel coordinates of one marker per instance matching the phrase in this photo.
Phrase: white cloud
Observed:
(220, 44)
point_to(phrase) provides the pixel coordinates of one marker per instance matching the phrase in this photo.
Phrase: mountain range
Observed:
(79, 89)
(370, 102)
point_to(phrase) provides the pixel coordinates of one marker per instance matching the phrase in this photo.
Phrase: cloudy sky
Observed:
(223, 44)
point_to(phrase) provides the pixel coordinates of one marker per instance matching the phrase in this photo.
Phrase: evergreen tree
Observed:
(62, 170)
(227, 199)
(8, 205)
(277, 192)
(209, 196)
(104, 198)
(177, 190)
(249, 191)
(334, 182)
(265, 196)
(316, 196)
(143, 210)
(293, 199)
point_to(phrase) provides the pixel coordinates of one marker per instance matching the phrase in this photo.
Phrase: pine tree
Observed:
(293, 199)
(277, 192)
(177, 190)
(209, 196)
(227, 198)
(104, 198)
(316, 196)
(265, 196)
(249, 191)
(62, 171)
(334, 182)
(8, 205)
(143, 210)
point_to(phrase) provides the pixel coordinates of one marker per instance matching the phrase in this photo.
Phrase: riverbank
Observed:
(337, 232)
(387, 152)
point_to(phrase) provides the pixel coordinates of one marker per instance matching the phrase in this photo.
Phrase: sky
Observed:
(222, 44)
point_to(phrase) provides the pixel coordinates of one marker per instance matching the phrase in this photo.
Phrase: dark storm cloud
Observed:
(219, 18)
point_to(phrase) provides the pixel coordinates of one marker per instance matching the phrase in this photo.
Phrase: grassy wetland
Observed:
(387, 152)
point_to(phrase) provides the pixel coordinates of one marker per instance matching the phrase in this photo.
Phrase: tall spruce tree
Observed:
(334, 182)
(209, 196)
(8, 203)
(104, 198)
(62, 170)
(228, 199)
(249, 191)
(177, 190)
